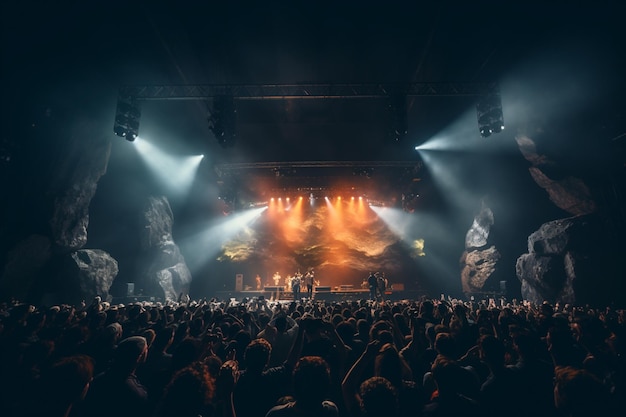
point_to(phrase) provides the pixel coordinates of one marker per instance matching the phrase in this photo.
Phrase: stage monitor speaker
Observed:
(322, 289)
(274, 288)
(239, 282)
(130, 289)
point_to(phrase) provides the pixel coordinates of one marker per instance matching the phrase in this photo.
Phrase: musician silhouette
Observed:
(296, 281)
(309, 278)
(276, 278)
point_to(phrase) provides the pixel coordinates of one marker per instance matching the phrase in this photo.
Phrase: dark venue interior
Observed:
(483, 146)
(312, 208)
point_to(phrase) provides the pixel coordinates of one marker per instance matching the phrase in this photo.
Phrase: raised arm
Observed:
(350, 383)
(296, 347)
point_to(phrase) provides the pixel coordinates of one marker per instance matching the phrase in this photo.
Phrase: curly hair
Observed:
(311, 378)
(190, 390)
(378, 397)
(257, 354)
(578, 392)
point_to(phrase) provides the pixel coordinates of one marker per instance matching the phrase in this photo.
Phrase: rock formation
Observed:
(566, 260)
(165, 265)
(94, 270)
(569, 193)
(36, 266)
(77, 172)
(478, 261)
(569, 258)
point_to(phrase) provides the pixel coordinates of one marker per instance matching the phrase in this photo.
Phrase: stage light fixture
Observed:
(127, 116)
(396, 107)
(223, 120)
(489, 114)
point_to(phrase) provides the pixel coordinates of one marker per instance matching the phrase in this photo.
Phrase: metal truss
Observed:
(303, 91)
(226, 169)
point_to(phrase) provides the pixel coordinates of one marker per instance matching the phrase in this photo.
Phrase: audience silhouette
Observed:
(266, 358)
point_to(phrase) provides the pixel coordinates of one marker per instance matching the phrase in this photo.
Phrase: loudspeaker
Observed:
(130, 289)
(502, 286)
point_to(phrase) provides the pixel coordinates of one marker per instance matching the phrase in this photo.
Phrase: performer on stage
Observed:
(288, 281)
(309, 278)
(276, 279)
(257, 280)
(372, 282)
(382, 285)
(296, 281)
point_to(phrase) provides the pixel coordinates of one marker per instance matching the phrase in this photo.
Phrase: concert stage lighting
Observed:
(489, 113)
(398, 128)
(175, 173)
(222, 120)
(127, 115)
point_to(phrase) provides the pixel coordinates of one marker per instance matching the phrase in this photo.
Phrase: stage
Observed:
(326, 294)
(280, 293)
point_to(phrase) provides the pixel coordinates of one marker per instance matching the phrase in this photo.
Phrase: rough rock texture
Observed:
(95, 271)
(567, 259)
(74, 184)
(477, 262)
(69, 158)
(477, 267)
(529, 150)
(478, 233)
(24, 265)
(569, 193)
(542, 277)
(165, 264)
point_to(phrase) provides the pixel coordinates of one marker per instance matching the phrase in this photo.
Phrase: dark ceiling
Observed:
(71, 57)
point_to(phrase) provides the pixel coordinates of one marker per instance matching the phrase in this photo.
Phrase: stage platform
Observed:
(334, 294)
(340, 293)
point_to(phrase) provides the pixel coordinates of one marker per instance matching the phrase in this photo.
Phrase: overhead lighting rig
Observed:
(127, 116)
(489, 113)
(399, 126)
(223, 120)
(222, 116)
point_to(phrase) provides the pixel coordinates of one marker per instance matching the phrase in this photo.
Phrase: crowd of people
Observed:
(255, 357)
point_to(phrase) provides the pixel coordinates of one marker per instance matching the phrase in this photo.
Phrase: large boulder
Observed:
(165, 266)
(575, 259)
(477, 267)
(74, 183)
(478, 262)
(543, 278)
(478, 233)
(568, 260)
(61, 166)
(94, 271)
(77, 276)
(570, 194)
(567, 192)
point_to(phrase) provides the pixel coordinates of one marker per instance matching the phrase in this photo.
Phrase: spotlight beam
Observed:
(176, 173)
(200, 248)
